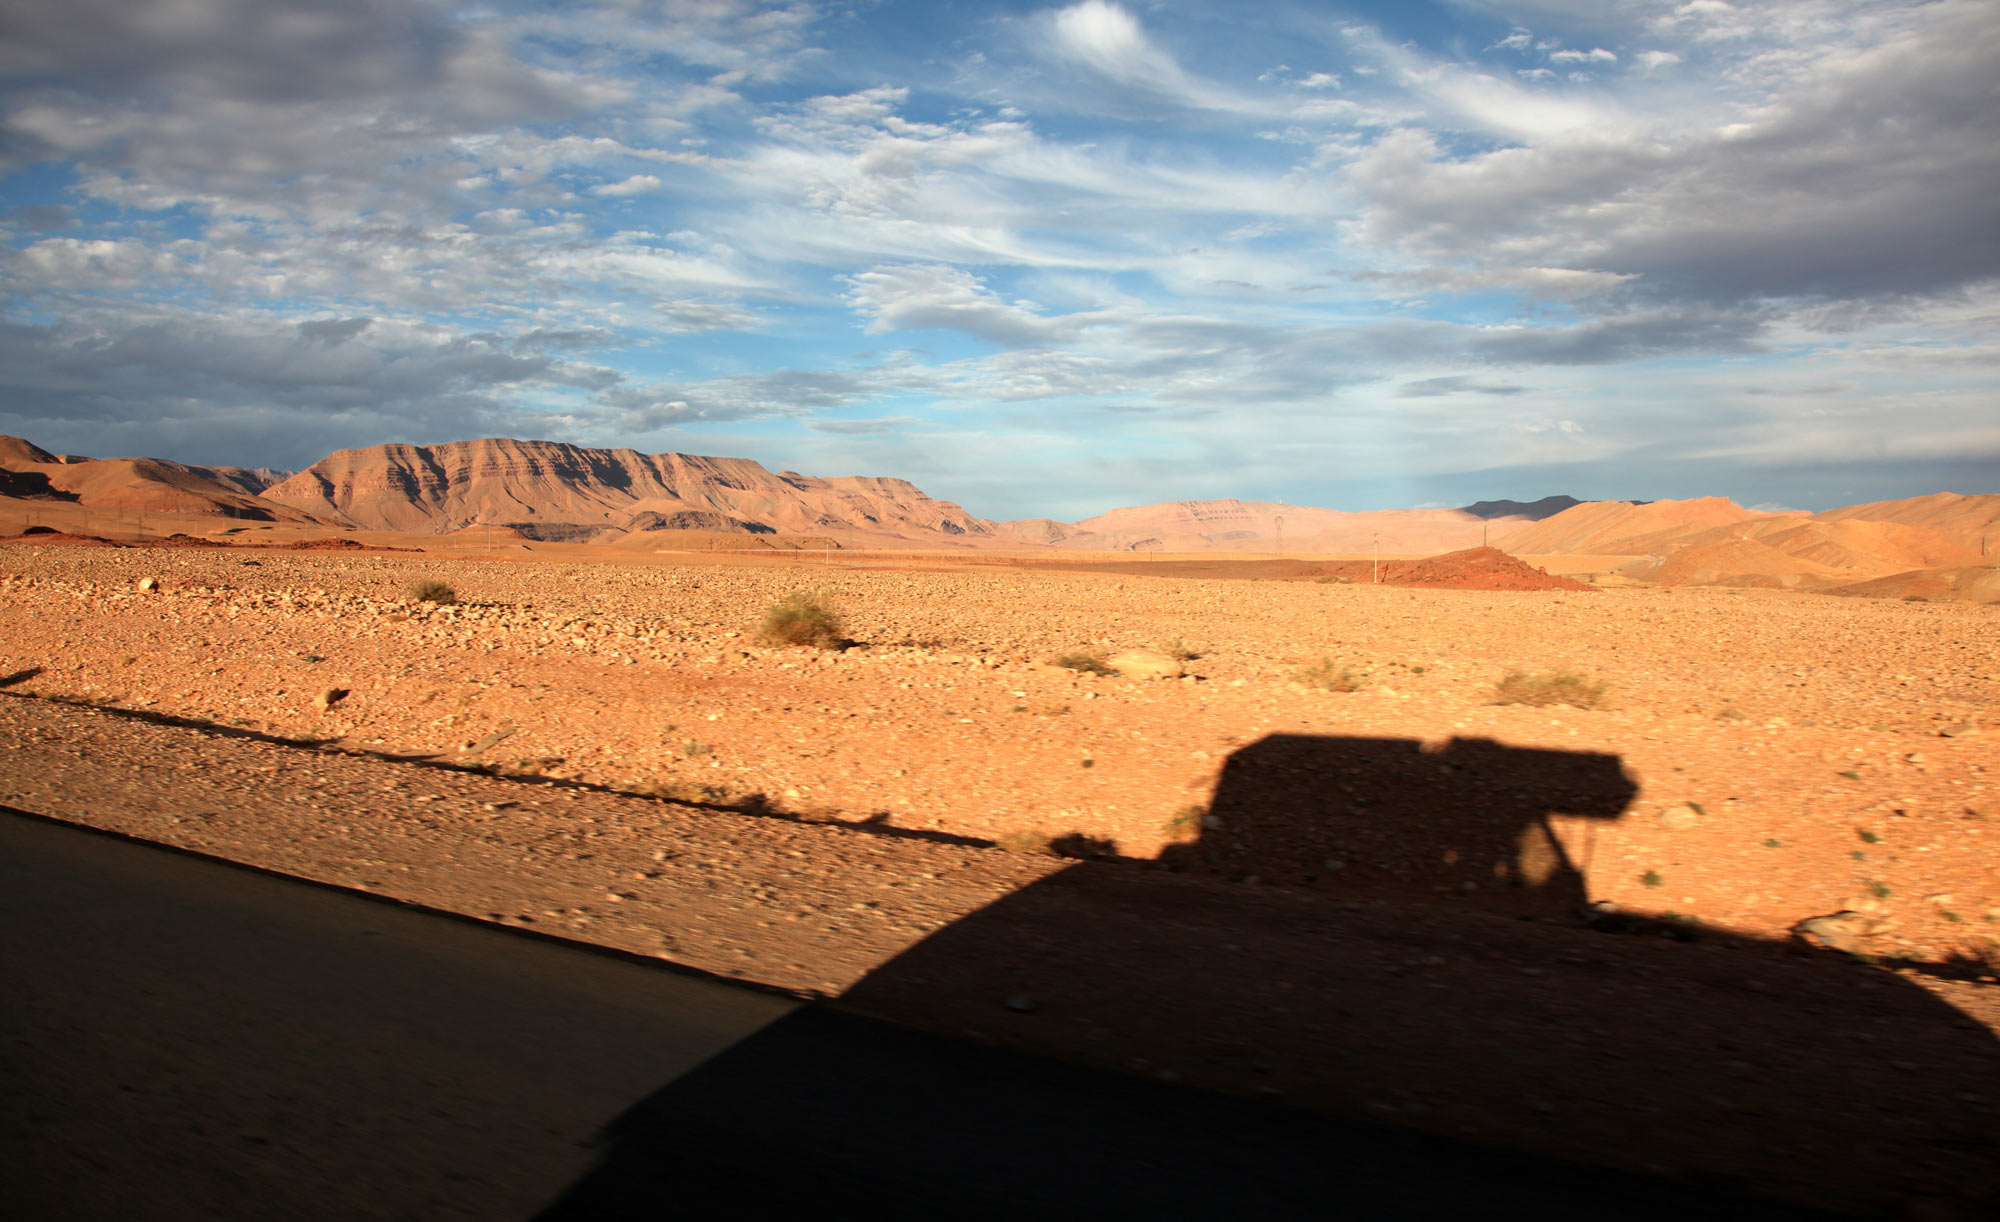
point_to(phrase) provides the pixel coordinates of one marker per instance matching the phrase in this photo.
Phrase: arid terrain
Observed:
(1749, 883)
(1790, 755)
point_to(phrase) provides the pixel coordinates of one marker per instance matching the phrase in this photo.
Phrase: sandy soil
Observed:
(1766, 757)
(1799, 741)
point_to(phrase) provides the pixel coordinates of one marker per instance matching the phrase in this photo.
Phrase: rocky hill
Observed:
(1265, 526)
(1713, 541)
(551, 490)
(137, 485)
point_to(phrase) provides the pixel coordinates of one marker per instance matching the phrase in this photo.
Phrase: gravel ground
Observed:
(1767, 757)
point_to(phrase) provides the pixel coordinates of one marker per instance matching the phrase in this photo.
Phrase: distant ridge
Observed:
(556, 491)
(138, 485)
(1534, 511)
(1944, 545)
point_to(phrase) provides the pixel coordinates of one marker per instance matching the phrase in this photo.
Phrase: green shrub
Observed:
(1552, 687)
(801, 618)
(432, 592)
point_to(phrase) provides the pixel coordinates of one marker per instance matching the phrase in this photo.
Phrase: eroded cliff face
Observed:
(447, 487)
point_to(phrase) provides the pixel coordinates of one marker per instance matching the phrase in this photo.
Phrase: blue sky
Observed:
(1040, 259)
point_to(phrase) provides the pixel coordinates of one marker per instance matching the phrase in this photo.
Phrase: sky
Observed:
(1039, 259)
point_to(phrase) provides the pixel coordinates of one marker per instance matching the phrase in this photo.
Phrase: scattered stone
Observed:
(1145, 664)
(490, 740)
(1839, 931)
(1963, 729)
(328, 698)
(149, 583)
(1679, 818)
(1021, 1003)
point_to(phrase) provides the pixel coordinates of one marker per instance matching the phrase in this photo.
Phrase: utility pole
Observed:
(1281, 536)
(1378, 560)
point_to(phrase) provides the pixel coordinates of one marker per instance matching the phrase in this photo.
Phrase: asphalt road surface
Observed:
(181, 1038)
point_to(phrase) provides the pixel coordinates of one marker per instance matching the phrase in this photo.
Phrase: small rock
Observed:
(149, 583)
(1679, 818)
(1839, 931)
(1021, 1003)
(1732, 714)
(1964, 729)
(328, 698)
(1145, 664)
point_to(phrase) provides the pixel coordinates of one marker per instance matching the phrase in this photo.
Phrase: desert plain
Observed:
(1550, 926)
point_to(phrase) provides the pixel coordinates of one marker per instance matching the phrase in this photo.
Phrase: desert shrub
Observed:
(1088, 662)
(1185, 823)
(1551, 687)
(1326, 675)
(432, 592)
(1177, 649)
(1032, 841)
(683, 791)
(801, 618)
(1083, 846)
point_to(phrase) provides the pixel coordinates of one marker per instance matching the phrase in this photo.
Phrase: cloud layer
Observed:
(1046, 259)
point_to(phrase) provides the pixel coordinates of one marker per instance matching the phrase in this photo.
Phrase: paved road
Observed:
(181, 1038)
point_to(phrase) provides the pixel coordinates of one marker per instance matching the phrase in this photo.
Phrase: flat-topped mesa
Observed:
(577, 492)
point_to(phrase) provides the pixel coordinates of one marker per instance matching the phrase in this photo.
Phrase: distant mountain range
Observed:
(549, 491)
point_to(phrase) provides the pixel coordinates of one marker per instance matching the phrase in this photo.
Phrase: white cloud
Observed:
(932, 296)
(1109, 41)
(638, 184)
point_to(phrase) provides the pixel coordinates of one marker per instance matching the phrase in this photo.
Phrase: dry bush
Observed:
(432, 592)
(1177, 649)
(1550, 687)
(1090, 662)
(1326, 675)
(1185, 824)
(684, 791)
(1084, 846)
(1032, 841)
(801, 618)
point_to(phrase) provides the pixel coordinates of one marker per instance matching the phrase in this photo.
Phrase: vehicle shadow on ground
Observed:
(1379, 955)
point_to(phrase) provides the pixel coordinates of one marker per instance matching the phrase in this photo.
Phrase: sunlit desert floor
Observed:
(1759, 759)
